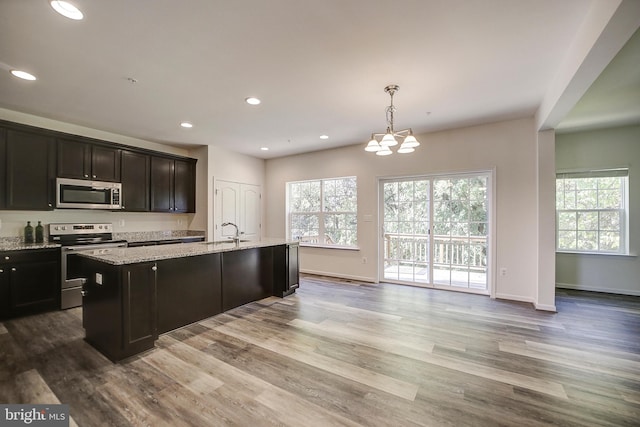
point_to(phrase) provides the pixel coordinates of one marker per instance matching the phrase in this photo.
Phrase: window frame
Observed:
(321, 214)
(622, 211)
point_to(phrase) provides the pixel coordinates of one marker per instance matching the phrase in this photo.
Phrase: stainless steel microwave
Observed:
(80, 194)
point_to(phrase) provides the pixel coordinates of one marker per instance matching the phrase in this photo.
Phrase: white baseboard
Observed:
(545, 307)
(339, 276)
(632, 292)
(515, 298)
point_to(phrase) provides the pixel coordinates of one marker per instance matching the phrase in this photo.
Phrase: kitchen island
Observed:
(131, 295)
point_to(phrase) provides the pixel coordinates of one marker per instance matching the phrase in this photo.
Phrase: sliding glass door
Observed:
(435, 231)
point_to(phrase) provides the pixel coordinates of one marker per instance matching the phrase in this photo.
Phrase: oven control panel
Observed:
(74, 229)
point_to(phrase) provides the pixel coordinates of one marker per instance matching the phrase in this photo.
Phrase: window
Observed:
(323, 212)
(591, 211)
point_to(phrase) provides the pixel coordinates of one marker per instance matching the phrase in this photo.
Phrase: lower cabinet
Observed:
(29, 282)
(286, 276)
(188, 290)
(119, 307)
(247, 275)
(126, 307)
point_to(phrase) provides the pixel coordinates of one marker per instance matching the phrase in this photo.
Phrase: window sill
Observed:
(596, 253)
(341, 248)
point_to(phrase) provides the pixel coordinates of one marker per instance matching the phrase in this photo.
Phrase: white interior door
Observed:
(239, 204)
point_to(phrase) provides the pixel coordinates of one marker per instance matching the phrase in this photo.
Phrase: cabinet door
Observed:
(74, 159)
(139, 307)
(5, 294)
(30, 171)
(34, 287)
(135, 181)
(184, 186)
(161, 184)
(105, 163)
(3, 166)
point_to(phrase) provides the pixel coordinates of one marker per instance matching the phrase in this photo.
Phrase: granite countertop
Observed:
(151, 236)
(17, 244)
(121, 256)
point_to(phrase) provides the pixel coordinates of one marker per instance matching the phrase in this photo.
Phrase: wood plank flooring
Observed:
(341, 353)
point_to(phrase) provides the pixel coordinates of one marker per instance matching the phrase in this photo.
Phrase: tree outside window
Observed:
(591, 211)
(323, 212)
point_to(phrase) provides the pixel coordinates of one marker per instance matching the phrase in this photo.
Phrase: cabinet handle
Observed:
(154, 268)
(49, 204)
(94, 176)
(1, 270)
(86, 175)
(6, 258)
(13, 269)
(84, 293)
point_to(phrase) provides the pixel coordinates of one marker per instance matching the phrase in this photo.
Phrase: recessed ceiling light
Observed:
(23, 75)
(324, 136)
(186, 125)
(66, 9)
(264, 148)
(252, 101)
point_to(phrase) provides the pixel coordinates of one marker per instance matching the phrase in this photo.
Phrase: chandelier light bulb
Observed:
(410, 141)
(373, 146)
(384, 151)
(388, 140)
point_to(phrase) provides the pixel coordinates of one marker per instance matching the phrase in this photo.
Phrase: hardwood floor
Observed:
(347, 354)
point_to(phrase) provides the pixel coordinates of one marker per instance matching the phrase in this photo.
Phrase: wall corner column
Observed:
(545, 298)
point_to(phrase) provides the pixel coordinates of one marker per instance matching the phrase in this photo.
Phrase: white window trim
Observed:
(321, 213)
(624, 223)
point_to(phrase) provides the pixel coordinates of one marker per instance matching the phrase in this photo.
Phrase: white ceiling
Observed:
(319, 67)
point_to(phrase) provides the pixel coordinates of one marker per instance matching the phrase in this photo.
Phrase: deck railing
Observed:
(457, 251)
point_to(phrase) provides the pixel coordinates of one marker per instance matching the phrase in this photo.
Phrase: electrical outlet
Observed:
(98, 279)
(503, 271)
(364, 259)
(121, 223)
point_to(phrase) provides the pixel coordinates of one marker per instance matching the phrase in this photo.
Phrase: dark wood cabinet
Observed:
(189, 290)
(29, 170)
(247, 275)
(286, 276)
(29, 282)
(139, 307)
(135, 176)
(119, 307)
(5, 292)
(172, 185)
(3, 167)
(82, 160)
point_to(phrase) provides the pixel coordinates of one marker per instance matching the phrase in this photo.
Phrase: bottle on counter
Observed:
(39, 233)
(28, 233)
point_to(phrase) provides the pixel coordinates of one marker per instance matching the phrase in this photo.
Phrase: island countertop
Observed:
(123, 256)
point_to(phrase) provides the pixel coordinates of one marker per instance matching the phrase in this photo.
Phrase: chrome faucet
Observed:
(236, 238)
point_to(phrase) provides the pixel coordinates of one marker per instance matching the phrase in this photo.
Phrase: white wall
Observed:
(12, 222)
(509, 147)
(230, 166)
(606, 148)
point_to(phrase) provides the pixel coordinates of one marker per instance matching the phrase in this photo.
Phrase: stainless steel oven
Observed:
(74, 239)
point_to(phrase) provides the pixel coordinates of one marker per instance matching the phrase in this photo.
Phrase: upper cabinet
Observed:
(81, 160)
(31, 158)
(172, 185)
(27, 169)
(135, 174)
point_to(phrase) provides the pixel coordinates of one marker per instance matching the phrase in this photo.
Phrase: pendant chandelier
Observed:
(381, 142)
